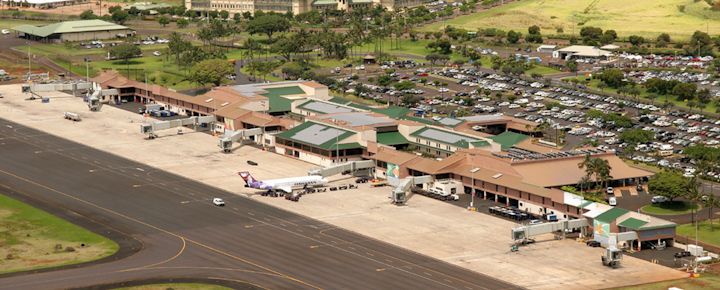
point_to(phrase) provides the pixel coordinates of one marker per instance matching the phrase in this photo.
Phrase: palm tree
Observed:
(711, 202)
(584, 183)
(602, 171)
(587, 163)
(693, 192)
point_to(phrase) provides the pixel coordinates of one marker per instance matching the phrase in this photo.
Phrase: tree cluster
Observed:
(593, 35)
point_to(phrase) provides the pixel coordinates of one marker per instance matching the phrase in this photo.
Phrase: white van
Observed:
(612, 201)
(693, 129)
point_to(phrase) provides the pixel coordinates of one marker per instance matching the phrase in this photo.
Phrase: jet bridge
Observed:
(94, 101)
(150, 128)
(523, 233)
(350, 166)
(398, 193)
(226, 142)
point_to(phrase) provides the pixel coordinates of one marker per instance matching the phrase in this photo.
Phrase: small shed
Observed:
(368, 59)
(546, 48)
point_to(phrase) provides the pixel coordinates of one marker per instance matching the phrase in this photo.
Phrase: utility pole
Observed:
(29, 63)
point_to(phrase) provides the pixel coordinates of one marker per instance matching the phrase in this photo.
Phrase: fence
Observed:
(687, 240)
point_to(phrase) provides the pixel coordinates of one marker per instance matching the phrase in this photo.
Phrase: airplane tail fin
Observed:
(246, 176)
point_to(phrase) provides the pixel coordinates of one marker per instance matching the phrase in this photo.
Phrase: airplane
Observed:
(285, 184)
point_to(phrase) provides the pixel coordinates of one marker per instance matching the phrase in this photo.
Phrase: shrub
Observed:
(69, 249)
(9, 256)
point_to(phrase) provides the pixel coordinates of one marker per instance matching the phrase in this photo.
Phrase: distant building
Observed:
(147, 6)
(546, 48)
(73, 31)
(581, 51)
(295, 6)
(38, 3)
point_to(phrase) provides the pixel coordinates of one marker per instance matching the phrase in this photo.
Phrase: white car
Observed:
(5, 31)
(157, 53)
(443, 90)
(514, 106)
(659, 199)
(218, 202)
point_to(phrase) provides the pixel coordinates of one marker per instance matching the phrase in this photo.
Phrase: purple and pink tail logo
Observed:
(247, 177)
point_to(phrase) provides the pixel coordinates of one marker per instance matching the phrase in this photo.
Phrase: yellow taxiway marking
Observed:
(161, 230)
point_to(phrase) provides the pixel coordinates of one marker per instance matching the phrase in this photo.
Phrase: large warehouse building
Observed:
(73, 31)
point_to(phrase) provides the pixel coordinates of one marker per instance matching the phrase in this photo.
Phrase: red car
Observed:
(423, 74)
(404, 77)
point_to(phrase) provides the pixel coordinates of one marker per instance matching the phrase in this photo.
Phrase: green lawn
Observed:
(7, 24)
(54, 50)
(647, 18)
(676, 207)
(176, 286)
(643, 166)
(704, 282)
(31, 234)
(704, 232)
(165, 72)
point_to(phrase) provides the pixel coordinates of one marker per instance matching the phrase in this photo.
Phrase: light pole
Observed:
(472, 199)
(263, 128)
(29, 64)
(147, 96)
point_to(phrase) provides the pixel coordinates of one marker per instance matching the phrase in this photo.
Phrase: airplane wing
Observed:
(287, 189)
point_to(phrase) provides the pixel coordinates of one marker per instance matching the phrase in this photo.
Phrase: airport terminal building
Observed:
(301, 120)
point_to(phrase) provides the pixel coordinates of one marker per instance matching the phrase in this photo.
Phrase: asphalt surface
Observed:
(184, 236)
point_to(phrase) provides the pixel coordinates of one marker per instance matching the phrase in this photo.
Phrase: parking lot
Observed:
(448, 232)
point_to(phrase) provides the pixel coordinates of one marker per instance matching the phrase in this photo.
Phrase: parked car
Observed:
(593, 244)
(610, 190)
(361, 180)
(157, 53)
(252, 163)
(682, 254)
(659, 199)
(612, 201)
(218, 202)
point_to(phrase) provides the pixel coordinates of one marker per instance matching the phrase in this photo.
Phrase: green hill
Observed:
(646, 18)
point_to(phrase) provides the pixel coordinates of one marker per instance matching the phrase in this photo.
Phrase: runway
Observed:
(182, 235)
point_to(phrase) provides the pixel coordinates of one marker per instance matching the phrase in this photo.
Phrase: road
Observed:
(184, 236)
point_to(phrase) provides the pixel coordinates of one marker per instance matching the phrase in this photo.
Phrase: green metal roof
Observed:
(586, 203)
(480, 143)
(277, 102)
(419, 120)
(392, 111)
(633, 223)
(346, 146)
(391, 138)
(339, 101)
(436, 135)
(329, 144)
(509, 139)
(611, 214)
(660, 226)
(359, 106)
(68, 27)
